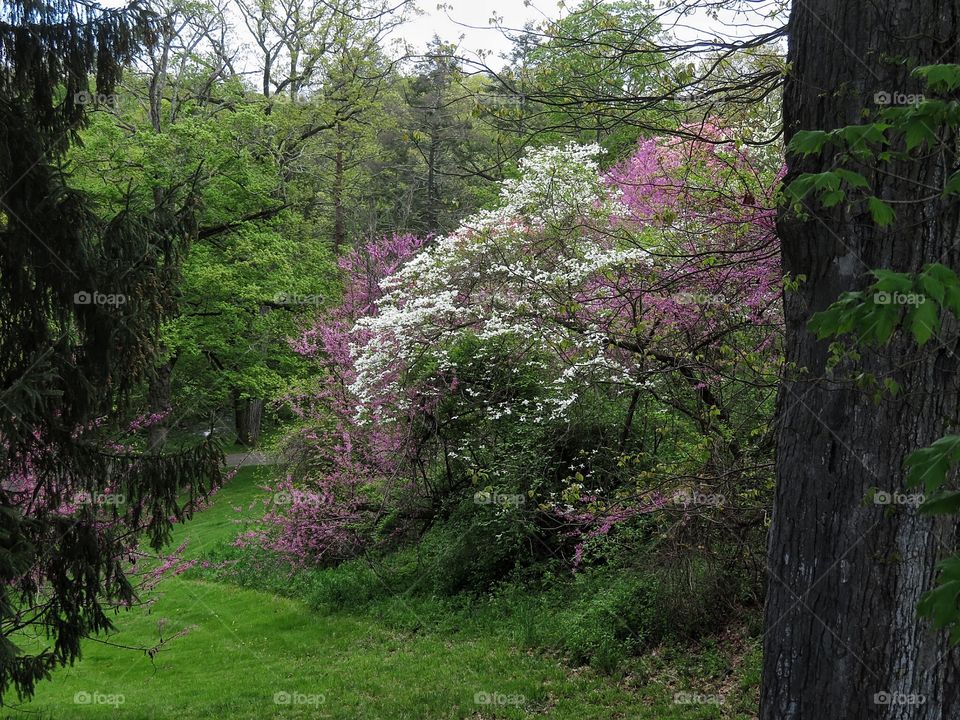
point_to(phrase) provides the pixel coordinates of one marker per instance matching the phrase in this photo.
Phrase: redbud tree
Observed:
(594, 347)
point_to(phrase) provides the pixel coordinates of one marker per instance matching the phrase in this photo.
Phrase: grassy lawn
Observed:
(249, 654)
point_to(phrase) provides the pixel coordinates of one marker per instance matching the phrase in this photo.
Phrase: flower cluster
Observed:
(661, 270)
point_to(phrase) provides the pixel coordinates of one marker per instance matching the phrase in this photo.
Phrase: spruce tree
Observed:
(67, 357)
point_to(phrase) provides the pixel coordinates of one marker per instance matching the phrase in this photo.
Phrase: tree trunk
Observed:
(433, 196)
(267, 72)
(432, 214)
(846, 574)
(339, 221)
(158, 79)
(248, 418)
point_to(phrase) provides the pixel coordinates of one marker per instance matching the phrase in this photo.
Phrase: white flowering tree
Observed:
(612, 278)
(597, 340)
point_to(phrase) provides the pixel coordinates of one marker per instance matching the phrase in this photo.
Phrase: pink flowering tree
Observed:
(599, 346)
(115, 507)
(342, 469)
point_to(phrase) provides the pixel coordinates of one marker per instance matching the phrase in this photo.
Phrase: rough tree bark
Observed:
(845, 575)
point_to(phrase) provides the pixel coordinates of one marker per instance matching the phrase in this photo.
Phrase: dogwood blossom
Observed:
(637, 279)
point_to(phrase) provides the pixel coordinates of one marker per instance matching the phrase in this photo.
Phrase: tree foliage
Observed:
(82, 299)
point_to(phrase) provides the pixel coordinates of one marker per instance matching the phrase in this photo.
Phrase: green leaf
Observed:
(808, 142)
(890, 281)
(838, 318)
(881, 213)
(827, 185)
(942, 78)
(943, 504)
(928, 466)
(799, 188)
(858, 138)
(938, 278)
(919, 130)
(932, 286)
(924, 321)
(826, 181)
(953, 184)
(940, 604)
(832, 198)
(880, 324)
(851, 178)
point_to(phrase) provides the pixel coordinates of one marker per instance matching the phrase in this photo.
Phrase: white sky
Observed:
(471, 19)
(469, 22)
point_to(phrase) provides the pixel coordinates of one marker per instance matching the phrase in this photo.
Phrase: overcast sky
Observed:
(469, 22)
(471, 19)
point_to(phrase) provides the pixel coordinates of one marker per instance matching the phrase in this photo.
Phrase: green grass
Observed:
(220, 523)
(242, 647)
